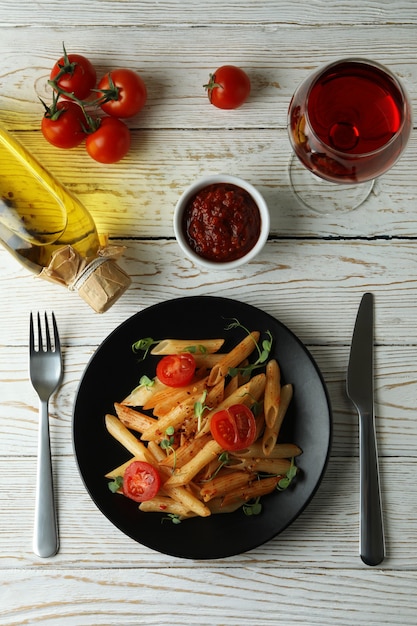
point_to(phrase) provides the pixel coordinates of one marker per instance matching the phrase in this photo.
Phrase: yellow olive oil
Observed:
(37, 214)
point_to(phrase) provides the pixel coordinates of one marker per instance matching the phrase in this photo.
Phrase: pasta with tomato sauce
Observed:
(204, 432)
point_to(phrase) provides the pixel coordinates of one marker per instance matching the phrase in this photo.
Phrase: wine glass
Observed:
(348, 123)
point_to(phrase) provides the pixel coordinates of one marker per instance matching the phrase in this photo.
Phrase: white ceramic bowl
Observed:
(183, 203)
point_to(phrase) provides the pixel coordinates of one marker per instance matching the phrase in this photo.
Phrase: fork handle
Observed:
(45, 536)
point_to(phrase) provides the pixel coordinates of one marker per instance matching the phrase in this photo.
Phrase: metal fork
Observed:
(45, 366)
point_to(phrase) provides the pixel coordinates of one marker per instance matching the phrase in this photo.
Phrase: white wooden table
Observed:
(311, 276)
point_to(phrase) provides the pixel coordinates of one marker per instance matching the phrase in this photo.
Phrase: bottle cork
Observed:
(100, 281)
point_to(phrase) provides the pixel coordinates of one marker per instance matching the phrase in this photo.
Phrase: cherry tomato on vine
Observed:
(176, 370)
(234, 428)
(63, 125)
(228, 87)
(141, 481)
(110, 142)
(126, 92)
(75, 74)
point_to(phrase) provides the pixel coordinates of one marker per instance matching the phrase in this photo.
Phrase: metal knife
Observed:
(360, 389)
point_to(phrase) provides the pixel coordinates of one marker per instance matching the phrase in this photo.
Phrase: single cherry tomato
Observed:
(176, 370)
(110, 142)
(228, 87)
(64, 125)
(234, 428)
(74, 74)
(141, 481)
(126, 93)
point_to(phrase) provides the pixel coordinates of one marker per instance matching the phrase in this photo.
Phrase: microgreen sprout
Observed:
(288, 478)
(172, 517)
(223, 460)
(116, 484)
(168, 442)
(196, 349)
(252, 508)
(143, 345)
(199, 408)
(263, 351)
(145, 381)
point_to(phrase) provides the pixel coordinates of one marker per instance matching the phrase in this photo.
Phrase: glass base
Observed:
(322, 196)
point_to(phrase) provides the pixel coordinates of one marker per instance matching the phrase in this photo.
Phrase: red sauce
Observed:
(222, 222)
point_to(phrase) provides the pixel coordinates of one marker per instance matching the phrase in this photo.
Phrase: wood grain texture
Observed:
(311, 276)
(208, 597)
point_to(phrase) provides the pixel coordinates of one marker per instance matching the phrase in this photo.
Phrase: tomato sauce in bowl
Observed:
(222, 222)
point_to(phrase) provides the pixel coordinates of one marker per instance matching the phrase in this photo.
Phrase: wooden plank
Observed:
(216, 12)
(314, 287)
(325, 535)
(222, 596)
(175, 63)
(136, 198)
(395, 395)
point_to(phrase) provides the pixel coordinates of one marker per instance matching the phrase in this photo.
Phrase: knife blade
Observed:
(360, 389)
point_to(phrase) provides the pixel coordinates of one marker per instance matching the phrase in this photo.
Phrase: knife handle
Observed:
(372, 544)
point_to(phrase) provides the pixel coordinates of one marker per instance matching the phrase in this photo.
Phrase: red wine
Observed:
(350, 122)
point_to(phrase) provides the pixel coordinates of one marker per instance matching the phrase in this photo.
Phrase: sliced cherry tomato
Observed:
(64, 125)
(228, 87)
(126, 93)
(176, 370)
(234, 428)
(141, 481)
(110, 142)
(74, 74)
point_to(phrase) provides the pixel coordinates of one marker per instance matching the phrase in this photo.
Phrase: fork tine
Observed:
(56, 334)
(40, 340)
(31, 335)
(48, 336)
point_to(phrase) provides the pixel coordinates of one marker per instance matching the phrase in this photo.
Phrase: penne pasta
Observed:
(272, 392)
(257, 489)
(270, 435)
(185, 453)
(186, 473)
(127, 439)
(166, 398)
(247, 394)
(233, 358)
(195, 346)
(165, 504)
(207, 361)
(142, 393)
(280, 451)
(170, 428)
(267, 466)
(132, 419)
(224, 483)
(172, 419)
(187, 499)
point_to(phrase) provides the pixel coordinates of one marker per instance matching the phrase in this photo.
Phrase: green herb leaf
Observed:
(263, 354)
(199, 408)
(143, 345)
(252, 508)
(172, 517)
(116, 484)
(223, 460)
(145, 381)
(196, 348)
(167, 444)
(286, 481)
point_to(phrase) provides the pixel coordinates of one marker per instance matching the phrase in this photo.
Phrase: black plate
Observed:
(114, 371)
